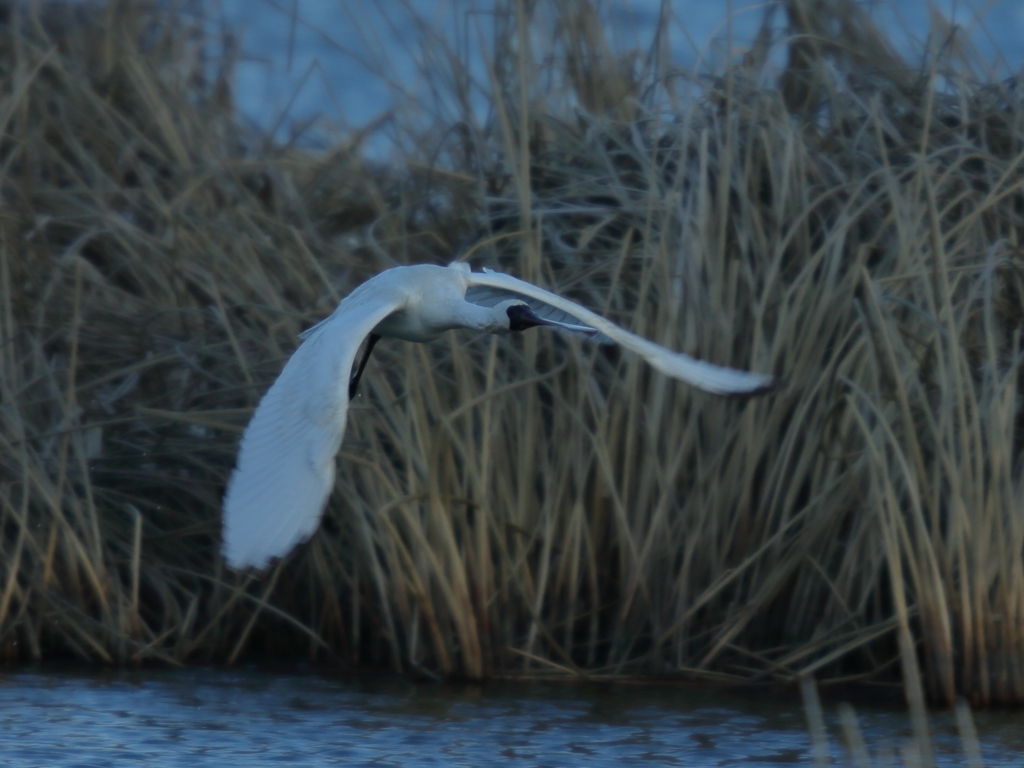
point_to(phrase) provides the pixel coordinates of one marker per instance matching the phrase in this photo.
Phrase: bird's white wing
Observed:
(703, 375)
(285, 469)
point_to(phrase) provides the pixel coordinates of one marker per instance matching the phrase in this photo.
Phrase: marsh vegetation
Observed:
(818, 207)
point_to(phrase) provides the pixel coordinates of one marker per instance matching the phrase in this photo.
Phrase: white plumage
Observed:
(285, 469)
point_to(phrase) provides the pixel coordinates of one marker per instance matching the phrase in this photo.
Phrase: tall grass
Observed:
(848, 220)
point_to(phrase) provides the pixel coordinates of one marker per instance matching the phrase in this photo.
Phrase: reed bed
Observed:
(816, 206)
(917, 751)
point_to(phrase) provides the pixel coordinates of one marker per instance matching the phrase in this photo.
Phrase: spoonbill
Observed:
(285, 468)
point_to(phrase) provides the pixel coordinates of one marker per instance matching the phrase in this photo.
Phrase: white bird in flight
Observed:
(285, 469)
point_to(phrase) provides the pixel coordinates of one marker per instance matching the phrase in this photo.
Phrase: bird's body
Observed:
(285, 469)
(425, 302)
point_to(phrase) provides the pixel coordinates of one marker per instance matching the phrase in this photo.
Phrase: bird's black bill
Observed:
(353, 383)
(521, 317)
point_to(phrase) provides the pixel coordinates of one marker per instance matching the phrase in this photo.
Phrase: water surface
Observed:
(350, 62)
(198, 717)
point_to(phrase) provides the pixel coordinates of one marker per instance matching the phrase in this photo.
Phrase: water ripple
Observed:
(200, 717)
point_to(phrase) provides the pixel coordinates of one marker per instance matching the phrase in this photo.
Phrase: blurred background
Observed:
(306, 68)
(827, 191)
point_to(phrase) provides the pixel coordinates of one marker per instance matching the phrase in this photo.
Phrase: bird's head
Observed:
(516, 315)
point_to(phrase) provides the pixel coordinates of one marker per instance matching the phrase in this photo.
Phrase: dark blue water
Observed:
(349, 62)
(201, 717)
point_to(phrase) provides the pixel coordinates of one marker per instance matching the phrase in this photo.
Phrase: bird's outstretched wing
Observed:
(496, 287)
(285, 468)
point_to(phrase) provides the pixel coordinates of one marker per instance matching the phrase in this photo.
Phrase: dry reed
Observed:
(526, 506)
(918, 751)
